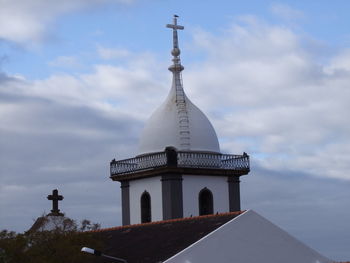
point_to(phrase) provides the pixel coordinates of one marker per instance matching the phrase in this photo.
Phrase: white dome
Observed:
(181, 125)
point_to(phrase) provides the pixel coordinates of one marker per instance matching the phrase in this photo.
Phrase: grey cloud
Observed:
(61, 132)
(47, 144)
(54, 139)
(311, 208)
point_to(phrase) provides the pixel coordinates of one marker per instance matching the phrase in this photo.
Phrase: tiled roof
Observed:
(158, 241)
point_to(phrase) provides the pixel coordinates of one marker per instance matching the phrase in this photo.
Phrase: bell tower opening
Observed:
(146, 215)
(205, 199)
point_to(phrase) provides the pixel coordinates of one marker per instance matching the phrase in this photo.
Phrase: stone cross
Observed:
(55, 198)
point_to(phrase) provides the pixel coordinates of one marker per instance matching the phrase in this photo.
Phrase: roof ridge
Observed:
(166, 221)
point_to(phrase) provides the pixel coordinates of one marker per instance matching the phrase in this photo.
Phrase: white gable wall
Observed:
(154, 187)
(193, 184)
(248, 238)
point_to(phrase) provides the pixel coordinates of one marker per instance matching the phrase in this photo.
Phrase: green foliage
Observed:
(62, 244)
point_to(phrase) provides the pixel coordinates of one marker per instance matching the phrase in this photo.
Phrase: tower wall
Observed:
(193, 184)
(136, 188)
(177, 196)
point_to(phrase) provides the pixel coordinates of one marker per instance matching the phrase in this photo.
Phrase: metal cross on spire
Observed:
(55, 198)
(175, 51)
(175, 27)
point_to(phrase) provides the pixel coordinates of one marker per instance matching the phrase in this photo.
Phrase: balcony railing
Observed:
(184, 159)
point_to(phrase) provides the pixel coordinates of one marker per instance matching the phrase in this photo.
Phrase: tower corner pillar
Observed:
(125, 189)
(172, 199)
(234, 193)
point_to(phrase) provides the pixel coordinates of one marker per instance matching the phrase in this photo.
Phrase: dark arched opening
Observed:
(205, 199)
(145, 207)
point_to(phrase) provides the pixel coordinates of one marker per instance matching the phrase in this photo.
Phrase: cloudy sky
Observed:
(78, 80)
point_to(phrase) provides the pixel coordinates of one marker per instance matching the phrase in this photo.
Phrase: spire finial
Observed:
(175, 51)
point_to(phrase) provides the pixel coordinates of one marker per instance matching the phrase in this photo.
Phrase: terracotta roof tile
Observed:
(193, 218)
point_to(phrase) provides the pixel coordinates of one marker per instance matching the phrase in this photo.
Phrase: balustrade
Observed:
(184, 159)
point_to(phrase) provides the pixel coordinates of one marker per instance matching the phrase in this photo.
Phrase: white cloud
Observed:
(267, 93)
(65, 62)
(112, 53)
(286, 12)
(27, 21)
(340, 63)
(109, 87)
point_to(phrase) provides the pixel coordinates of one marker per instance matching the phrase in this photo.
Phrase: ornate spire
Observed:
(178, 122)
(176, 67)
(180, 97)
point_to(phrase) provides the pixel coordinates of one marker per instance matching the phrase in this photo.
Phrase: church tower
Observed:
(179, 171)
